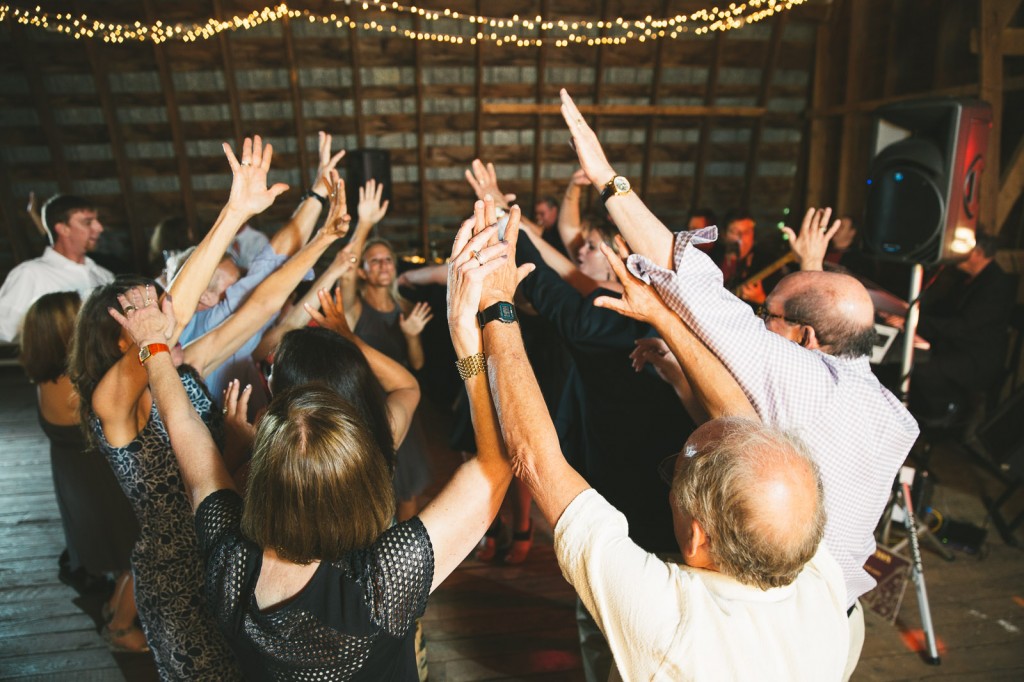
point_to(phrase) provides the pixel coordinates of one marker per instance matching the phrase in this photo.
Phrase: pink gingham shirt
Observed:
(857, 431)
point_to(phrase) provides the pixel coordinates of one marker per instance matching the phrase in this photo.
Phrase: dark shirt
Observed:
(354, 620)
(614, 425)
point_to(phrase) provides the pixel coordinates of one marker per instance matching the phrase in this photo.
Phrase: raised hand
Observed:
(239, 434)
(143, 317)
(584, 141)
(338, 219)
(655, 352)
(484, 180)
(811, 244)
(579, 179)
(249, 192)
(413, 323)
(333, 317)
(322, 182)
(371, 210)
(639, 301)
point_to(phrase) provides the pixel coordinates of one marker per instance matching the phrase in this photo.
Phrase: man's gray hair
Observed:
(719, 489)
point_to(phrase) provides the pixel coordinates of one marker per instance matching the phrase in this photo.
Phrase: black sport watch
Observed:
(503, 311)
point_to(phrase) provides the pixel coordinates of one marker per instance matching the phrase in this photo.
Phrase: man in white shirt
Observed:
(64, 266)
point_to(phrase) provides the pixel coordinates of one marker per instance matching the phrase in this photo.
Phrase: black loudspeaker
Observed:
(362, 165)
(924, 179)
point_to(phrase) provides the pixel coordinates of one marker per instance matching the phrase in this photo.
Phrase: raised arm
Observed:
(202, 468)
(644, 233)
(712, 384)
(484, 181)
(370, 211)
(462, 511)
(811, 244)
(401, 387)
(290, 238)
(569, 213)
(249, 196)
(213, 348)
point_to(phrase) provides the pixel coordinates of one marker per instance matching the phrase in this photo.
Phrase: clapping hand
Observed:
(371, 210)
(484, 180)
(249, 191)
(812, 242)
(142, 316)
(413, 323)
(322, 182)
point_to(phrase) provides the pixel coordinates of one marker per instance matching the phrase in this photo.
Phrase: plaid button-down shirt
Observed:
(857, 431)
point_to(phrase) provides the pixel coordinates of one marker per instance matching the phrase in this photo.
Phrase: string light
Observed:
(514, 31)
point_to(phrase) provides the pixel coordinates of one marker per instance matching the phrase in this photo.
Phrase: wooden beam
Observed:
(992, 21)
(660, 110)
(538, 126)
(421, 149)
(177, 134)
(850, 143)
(971, 90)
(357, 86)
(757, 129)
(1011, 184)
(816, 131)
(106, 100)
(478, 88)
(25, 48)
(302, 153)
(652, 123)
(704, 142)
(227, 60)
(1012, 40)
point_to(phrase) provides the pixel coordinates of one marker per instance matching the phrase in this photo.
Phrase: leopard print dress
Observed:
(180, 629)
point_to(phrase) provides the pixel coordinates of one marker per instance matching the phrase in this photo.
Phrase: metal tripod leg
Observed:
(917, 572)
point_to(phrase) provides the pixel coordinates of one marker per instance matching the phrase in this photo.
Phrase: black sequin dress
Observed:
(180, 629)
(354, 620)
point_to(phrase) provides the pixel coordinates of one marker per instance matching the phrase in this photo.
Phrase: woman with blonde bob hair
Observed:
(305, 578)
(318, 485)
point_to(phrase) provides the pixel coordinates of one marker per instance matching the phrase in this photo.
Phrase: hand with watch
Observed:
(148, 323)
(321, 187)
(482, 277)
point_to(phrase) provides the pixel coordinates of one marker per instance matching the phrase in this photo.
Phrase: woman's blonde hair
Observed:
(318, 485)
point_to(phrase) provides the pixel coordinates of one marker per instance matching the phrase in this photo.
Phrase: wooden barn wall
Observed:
(138, 127)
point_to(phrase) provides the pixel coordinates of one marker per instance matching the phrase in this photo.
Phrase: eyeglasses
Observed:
(763, 312)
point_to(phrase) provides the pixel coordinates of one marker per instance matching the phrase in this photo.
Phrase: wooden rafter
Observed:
(106, 100)
(357, 86)
(628, 110)
(301, 152)
(850, 145)
(538, 125)
(1011, 184)
(757, 129)
(227, 60)
(478, 88)
(706, 124)
(652, 123)
(177, 134)
(27, 52)
(421, 148)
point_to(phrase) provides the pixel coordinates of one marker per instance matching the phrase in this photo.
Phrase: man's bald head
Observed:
(837, 306)
(757, 495)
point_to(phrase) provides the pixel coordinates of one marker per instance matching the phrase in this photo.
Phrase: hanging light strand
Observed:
(514, 31)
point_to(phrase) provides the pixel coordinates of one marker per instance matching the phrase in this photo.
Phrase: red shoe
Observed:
(488, 549)
(521, 544)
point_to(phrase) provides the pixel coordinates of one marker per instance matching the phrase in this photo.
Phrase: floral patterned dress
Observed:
(181, 631)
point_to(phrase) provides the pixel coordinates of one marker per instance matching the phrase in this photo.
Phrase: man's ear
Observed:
(809, 338)
(697, 552)
(60, 230)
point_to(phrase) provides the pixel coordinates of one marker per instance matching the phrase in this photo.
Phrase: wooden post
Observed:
(851, 147)
(177, 135)
(993, 19)
(538, 127)
(228, 64)
(29, 58)
(705, 126)
(816, 131)
(757, 128)
(652, 123)
(302, 154)
(421, 148)
(478, 88)
(357, 86)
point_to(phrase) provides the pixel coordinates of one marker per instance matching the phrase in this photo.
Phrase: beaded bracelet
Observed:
(471, 365)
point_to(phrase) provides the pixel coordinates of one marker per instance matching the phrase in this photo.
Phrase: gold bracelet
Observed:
(471, 365)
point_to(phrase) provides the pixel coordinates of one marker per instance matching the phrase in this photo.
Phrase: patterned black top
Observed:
(354, 620)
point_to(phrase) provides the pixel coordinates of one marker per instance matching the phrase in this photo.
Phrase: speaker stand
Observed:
(910, 331)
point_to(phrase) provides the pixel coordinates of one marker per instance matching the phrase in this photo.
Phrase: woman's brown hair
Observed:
(318, 485)
(46, 335)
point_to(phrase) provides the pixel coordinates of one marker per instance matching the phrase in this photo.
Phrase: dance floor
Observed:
(487, 622)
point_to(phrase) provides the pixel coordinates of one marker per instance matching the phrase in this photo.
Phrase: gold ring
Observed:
(246, 163)
(128, 308)
(476, 254)
(224, 411)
